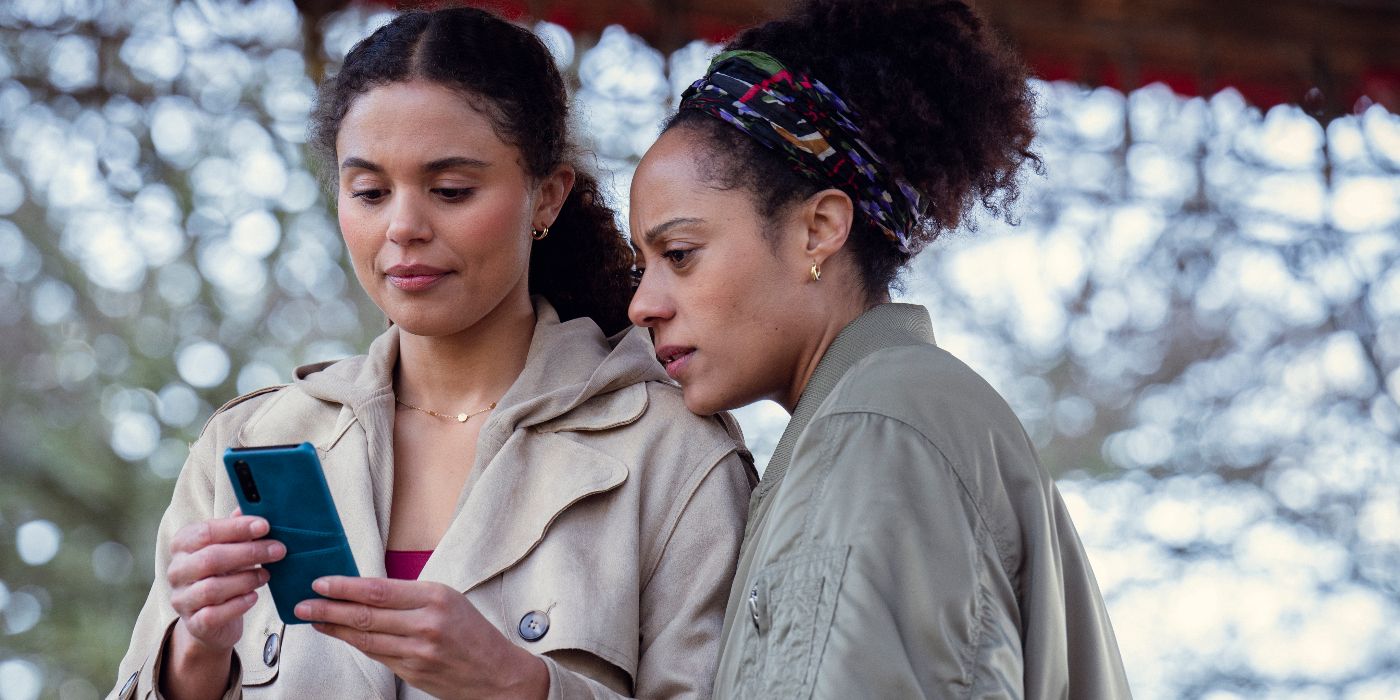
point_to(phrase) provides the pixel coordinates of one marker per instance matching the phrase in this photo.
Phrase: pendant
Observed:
(462, 417)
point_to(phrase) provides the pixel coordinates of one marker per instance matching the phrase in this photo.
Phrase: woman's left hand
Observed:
(426, 633)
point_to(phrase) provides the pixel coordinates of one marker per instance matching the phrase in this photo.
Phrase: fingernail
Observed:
(303, 610)
(321, 586)
(258, 527)
(276, 550)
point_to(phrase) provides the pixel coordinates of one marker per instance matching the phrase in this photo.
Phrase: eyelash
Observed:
(451, 194)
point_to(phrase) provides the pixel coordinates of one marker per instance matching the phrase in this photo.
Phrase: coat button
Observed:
(128, 690)
(534, 625)
(753, 608)
(271, 649)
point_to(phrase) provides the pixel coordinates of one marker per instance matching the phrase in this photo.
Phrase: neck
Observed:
(837, 315)
(469, 369)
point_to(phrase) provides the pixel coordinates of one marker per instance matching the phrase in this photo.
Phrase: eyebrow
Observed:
(431, 167)
(656, 232)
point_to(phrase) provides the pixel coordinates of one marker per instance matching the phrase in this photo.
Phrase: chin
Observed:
(705, 401)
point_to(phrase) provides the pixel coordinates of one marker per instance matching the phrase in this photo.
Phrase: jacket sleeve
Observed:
(192, 501)
(923, 606)
(683, 598)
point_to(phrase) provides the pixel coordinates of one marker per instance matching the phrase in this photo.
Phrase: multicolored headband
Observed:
(815, 131)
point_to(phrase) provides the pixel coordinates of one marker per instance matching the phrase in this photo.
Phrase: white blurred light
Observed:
(178, 284)
(173, 131)
(263, 174)
(134, 435)
(22, 613)
(73, 63)
(256, 233)
(202, 364)
(52, 302)
(37, 542)
(178, 405)
(153, 57)
(559, 41)
(111, 562)
(1362, 203)
(20, 679)
(11, 193)
(763, 423)
(256, 375)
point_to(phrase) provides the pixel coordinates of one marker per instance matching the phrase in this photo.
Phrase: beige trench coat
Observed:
(905, 542)
(595, 496)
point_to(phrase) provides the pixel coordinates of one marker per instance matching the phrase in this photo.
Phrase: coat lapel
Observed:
(515, 498)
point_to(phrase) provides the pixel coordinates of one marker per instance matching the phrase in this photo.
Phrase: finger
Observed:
(216, 590)
(365, 618)
(196, 536)
(390, 648)
(206, 622)
(379, 592)
(222, 559)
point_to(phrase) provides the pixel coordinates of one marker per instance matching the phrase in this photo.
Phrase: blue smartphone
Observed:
(285, 485)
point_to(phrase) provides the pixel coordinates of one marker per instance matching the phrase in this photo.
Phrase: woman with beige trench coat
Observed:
(551, 520)
(905, 541)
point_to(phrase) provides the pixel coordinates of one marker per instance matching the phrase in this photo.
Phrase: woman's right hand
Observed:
(213, 575)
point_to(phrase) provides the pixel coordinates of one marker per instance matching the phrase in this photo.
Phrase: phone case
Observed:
(292, 495)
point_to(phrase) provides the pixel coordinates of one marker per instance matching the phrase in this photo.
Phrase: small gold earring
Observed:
(816, 273)
(539, 234)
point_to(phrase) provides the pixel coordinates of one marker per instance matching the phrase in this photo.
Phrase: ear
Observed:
(828, 216)
(553, 190)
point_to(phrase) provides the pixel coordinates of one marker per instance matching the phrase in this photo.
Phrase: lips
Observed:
(414, 277)
(674, 358)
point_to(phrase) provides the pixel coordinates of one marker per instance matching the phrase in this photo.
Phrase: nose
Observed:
(651, 303)
(408, 223)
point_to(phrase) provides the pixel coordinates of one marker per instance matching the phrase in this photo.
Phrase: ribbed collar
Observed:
(884, 326)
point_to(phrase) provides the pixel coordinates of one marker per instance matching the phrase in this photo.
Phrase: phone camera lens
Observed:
(245, 480)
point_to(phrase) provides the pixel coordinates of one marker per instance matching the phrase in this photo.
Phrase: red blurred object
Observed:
(1331, 56)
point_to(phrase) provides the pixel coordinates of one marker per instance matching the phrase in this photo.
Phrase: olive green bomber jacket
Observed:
(906, 542)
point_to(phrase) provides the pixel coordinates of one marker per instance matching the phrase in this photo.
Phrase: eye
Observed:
(369, 196)
(453, 194)
(678, 256)
(637, 273)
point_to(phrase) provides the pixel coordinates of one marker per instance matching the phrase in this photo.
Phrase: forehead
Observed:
(669, 178)
(415, 117)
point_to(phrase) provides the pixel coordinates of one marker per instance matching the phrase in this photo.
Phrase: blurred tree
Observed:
(1198, 320)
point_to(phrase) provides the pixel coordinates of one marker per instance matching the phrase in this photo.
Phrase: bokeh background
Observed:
(1197, 317)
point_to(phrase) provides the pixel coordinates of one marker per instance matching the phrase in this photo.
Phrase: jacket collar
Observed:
(567, 365)
(883, 326)
(574, 379)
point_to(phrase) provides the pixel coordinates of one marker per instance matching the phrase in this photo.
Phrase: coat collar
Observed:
(883, 326)
(524, 474)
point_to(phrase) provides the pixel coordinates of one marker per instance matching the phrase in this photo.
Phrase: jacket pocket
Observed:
(786, 618)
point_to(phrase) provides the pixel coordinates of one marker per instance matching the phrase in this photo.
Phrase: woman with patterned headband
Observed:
(904, 541)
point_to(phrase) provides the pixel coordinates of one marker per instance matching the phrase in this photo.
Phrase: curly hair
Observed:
(943, 102)
(584, 267)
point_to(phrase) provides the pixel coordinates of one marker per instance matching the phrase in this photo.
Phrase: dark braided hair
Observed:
(584, 267)
(942, 102)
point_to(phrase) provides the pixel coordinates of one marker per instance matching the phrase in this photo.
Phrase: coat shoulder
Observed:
(240, 409)
(924, 386)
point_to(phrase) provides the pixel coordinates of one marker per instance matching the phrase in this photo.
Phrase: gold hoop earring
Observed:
(539, 234)
(816, 273)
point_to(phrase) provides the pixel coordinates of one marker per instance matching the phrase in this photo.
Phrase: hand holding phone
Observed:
(285, 485)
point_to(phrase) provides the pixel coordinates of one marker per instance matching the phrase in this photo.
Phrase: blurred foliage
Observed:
(1198, 319)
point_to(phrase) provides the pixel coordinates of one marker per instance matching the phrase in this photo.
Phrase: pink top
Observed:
(404, 564)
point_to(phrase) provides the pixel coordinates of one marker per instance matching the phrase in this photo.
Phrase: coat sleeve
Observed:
(193, 501)
(923, 606)
(683, 598)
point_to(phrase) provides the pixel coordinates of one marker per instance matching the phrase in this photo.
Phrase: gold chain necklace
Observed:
(460, 417)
